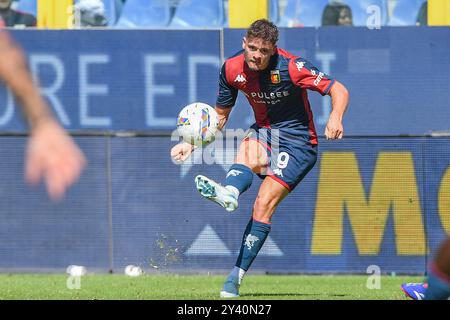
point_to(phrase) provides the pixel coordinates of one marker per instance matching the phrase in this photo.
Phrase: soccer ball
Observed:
(133, 271)
(197, 123)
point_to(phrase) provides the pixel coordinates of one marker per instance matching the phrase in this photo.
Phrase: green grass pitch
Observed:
(199, 287)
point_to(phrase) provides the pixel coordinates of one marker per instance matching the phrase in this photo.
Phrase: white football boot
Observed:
(215, 192)
(230, 288)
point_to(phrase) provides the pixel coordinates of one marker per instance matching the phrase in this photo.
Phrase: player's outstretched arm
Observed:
(51, 153)
(182, 151)
(339, 102)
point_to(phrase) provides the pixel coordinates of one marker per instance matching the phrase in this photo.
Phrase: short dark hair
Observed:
(263, 29)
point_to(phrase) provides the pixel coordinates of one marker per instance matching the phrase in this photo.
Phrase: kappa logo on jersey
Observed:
(250, 241)
(240, 78)
(278, 172)
(275, 76)
(234, 173)
(300, 65)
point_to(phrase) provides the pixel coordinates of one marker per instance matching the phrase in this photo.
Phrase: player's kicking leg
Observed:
(269, 196)
(251, 158)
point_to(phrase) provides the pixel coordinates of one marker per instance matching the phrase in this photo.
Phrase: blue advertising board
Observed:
(368, 201)
(139, 80)
(37, 234)
(118, 80)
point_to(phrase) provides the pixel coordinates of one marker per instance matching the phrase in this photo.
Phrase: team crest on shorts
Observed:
(275, 76)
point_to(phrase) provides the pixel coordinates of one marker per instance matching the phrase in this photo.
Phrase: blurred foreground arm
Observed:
(51, 153)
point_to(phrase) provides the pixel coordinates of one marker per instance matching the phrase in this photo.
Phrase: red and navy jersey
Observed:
(277, 94)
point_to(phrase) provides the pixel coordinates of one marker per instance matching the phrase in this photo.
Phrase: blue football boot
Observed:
(415, 291)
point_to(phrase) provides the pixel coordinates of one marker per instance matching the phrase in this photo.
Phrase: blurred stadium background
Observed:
(379, 197)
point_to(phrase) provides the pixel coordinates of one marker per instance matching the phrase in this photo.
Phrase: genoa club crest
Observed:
(275, 76)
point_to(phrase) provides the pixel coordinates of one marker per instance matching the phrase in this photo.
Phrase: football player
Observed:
(281, 147)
